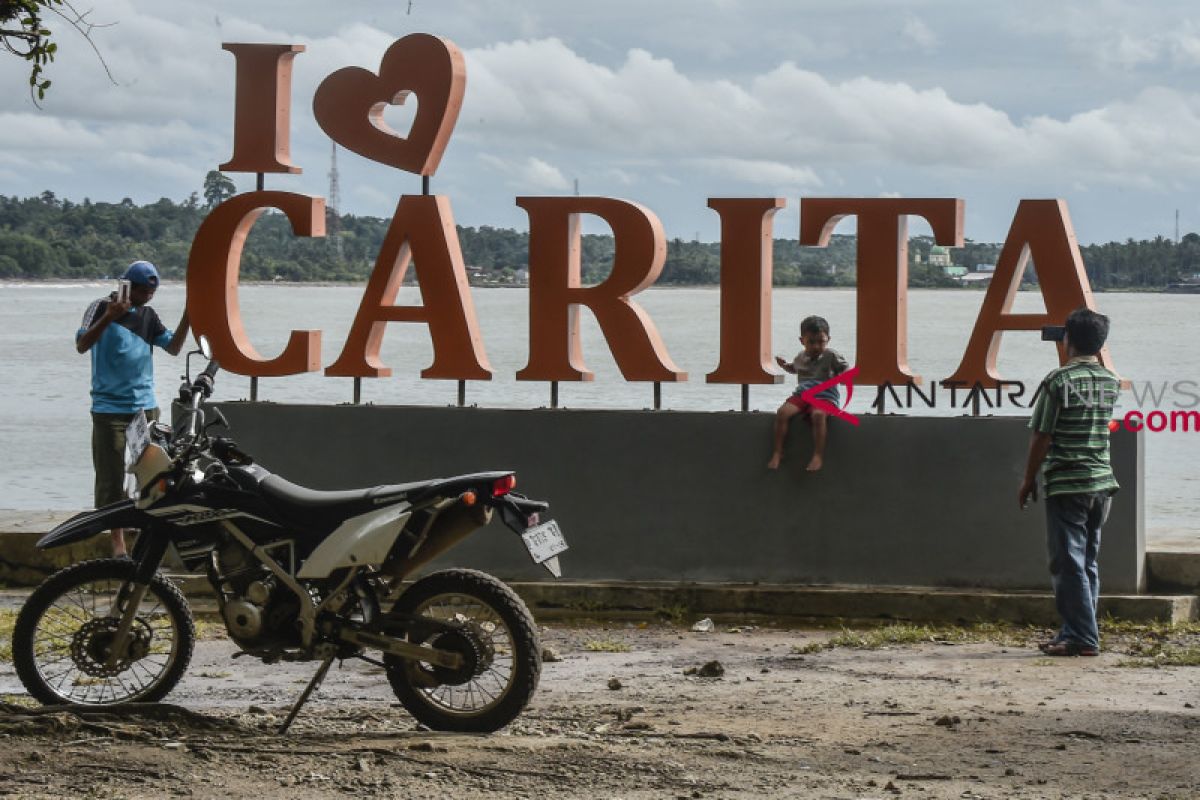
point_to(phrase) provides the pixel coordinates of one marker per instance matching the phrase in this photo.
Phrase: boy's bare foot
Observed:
(815, 464)
(774, 462)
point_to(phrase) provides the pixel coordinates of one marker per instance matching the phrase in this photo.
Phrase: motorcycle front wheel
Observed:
(61, 641)
(497, 639)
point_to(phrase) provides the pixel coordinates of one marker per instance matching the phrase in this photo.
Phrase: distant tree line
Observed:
(47, 237)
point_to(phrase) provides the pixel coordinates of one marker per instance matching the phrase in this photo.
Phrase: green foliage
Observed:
(676, 614)
(1165, 657)
(44, 237)
(1154, 644)
(23, 35)
(217, 189)
(1139, 265)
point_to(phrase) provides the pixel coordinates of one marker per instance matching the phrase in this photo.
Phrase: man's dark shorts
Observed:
(108, 454)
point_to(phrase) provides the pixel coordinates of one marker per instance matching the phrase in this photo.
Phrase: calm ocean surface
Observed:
(45, 429)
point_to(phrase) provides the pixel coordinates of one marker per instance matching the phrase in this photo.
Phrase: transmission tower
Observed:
(335, 203)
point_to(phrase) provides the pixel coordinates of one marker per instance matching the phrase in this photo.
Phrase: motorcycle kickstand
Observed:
(313, 685)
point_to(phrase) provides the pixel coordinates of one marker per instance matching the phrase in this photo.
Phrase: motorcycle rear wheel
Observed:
(499, 642)
(60, 637)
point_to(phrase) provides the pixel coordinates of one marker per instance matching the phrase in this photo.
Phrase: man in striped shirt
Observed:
(1070, 438)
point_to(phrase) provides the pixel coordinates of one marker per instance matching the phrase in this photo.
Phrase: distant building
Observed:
(955, 271)
(939, 256)
(985, 267)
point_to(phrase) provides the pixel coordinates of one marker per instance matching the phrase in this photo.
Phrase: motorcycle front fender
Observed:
(89, 523)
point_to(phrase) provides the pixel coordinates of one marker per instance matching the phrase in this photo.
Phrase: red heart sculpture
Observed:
(349, 103)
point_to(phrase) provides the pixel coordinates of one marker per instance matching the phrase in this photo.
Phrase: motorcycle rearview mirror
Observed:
(204, 348)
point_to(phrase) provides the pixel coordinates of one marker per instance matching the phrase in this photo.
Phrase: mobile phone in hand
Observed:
(122, 291)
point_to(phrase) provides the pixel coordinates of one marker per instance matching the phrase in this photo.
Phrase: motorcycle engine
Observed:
(260, 612)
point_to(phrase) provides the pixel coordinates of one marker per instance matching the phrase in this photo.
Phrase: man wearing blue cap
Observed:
(120, 333)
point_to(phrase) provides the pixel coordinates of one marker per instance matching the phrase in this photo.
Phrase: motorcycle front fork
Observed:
(148, 554)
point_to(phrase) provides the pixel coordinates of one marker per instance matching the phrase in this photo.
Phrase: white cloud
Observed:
(766, 173)
(164, 169)
(620, 176)
(32, 132)
(919, 34)
(50, 145)
(374, 197)
(646, 107)
(529, 174)
(540, 175)
(22, 165)
(781, 126)
(1121, 36)
(698, 98)
(1130, 51)
(1145, 141)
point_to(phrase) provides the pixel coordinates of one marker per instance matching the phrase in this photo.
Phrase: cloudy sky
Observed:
(667, 103)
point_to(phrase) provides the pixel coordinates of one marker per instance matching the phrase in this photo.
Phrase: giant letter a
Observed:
(423, 225)
(1041, 229)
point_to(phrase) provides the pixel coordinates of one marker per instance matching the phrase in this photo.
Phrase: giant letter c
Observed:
(212, 283)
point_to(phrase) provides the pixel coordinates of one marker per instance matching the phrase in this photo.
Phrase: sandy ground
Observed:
(925, 720)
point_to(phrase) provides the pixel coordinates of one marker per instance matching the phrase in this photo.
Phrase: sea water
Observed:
(45, 460)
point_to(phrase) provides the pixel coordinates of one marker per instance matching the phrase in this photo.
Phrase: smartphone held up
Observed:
(123, 291)
(1053, 333)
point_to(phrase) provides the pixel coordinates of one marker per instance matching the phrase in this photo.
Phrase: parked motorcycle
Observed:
(298, 575)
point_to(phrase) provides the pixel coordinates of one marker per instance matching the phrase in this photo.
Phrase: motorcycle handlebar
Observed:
(204, 381)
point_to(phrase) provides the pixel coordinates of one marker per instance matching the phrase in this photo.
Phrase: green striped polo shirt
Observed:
(1074, 406)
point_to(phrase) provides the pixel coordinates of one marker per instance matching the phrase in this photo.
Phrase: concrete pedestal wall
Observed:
(685, 496)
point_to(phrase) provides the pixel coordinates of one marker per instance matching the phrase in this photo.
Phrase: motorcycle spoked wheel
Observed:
(61, 637)
(499, 643)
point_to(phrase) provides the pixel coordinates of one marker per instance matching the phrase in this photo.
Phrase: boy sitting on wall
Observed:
(815, 364)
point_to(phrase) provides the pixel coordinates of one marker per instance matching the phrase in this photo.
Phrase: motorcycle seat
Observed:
(320, 511)
(301, 500)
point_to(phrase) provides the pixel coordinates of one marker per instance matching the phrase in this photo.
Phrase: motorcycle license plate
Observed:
(544, 541)
(137, 438)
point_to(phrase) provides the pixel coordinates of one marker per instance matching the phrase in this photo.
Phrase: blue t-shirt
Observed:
(122, 358)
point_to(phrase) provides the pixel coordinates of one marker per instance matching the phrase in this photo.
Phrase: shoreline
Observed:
(50, 283)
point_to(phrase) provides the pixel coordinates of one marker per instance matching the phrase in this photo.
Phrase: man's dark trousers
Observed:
(1073, 523)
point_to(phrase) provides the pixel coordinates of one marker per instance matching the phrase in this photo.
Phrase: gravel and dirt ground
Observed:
(628, 712)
